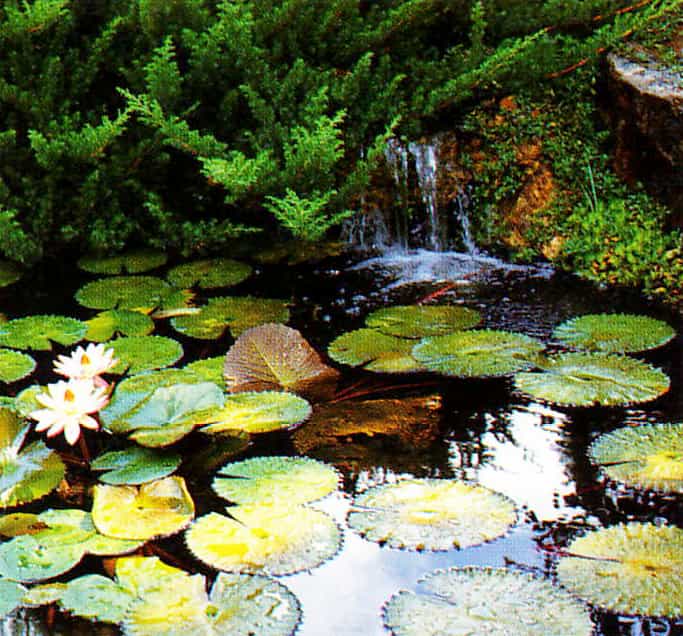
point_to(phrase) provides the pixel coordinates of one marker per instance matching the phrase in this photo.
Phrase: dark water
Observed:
(533, 453)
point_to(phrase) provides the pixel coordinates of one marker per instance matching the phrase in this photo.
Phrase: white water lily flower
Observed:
(68, 406)
(86, 364)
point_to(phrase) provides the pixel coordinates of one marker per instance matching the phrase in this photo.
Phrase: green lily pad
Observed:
(144, 353)
(11, 596)
(208, 369)
(141, 293)
(135, 465)
(113, 322)
(632, 568)
(298, 252)
(209, 273)
(9, 273)
(48, 552)
(269, 539)
(419, 321)
(374, 351)
(133, 262)
(486, 602)
(478, 353)
(15, 365)
(587, 379)
(44, 594)
(275, 356)
(25, 401)
(38, 332)
(258, 412)
(648, 456)
(614, 333)
(29, 473)
(238, 313)
(155, 509)
(273, 480)
(431, 514)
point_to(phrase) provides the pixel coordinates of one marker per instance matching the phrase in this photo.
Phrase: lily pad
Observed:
(486, 602)
(209, 273)
(648, 456)
(133, 262)
(274, 480)
(632, 568)
(614, 333)
(141, 293)
(208, 369)
(270, 539)
(135, 465)
(155, 509)
(144, 353)
(29, 473)
(113, 322)
(15, 365)
(374, 351)
(9, 273)
(258, 412)
(274, 356)
(587, 379)
(478, 353)
(11, 596)
(298, 252)
(38, 332)
(419, 321)
(431, 514)
(48, 552)
(238, 313)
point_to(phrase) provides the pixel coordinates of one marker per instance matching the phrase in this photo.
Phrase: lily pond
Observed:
(284, 445)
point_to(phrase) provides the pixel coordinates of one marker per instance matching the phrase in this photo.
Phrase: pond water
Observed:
(480, 430)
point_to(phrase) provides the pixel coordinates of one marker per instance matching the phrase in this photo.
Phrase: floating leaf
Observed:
(11, 596)
(15, 365)
(374, 351)
(9, 273)
(133, 262)
(156, 509)
(270, 539)
(648, 456)
(586, 379)
(142, 293)
(208, 369)
(632, 568)
(135, 465)
(274, 480)
(486, 602)
(274, 356)
(106, 324)
(478, 353)
(25, 401)
(45, 594)
(144, 353)
(419, 321)
(209, 273)
(49, 552)
(237, 313)
(38, 332)
(431, 514)
(258, 412)
(26, 474)
(614, 333)
(297, 252)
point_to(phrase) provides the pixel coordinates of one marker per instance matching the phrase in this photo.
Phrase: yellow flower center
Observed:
(69, 396)
(85, 360)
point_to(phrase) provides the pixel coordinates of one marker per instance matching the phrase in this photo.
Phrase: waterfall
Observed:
(426, 167)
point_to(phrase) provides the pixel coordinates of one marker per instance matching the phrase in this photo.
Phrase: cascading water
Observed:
(426, 167)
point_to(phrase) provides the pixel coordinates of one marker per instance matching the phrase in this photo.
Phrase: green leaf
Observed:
(15, 366)
(649, 456)
(11, 596)
(133, 262)
(141, 293)
(144, 353)
(632, 568)
(614, 333)
(9, 273)
(486, 602)
(431, 514)
(106, 324)
(374, 351)
(209, 273)
(587, 379)
(275, 480)
(419, 321)
(155, 509)
(237, 313)
(258, 412)
(38, 332)
(271, 539)
(135, 465)
(208, 370)
(478, 353)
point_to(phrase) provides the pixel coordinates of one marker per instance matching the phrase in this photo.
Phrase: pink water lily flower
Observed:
(86, 364)
(68, 406)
